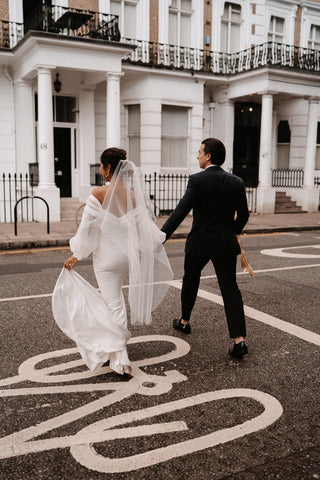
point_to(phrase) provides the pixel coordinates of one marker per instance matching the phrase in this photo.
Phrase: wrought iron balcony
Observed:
(62, 21)
(195, 60)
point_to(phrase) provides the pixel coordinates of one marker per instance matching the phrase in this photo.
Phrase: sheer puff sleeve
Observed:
(86, 238)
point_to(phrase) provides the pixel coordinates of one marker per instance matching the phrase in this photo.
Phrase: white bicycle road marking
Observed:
(279, 252)
(81, 443)
(106, 430)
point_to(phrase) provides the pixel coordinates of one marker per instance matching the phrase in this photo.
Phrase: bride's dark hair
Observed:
(112, 156)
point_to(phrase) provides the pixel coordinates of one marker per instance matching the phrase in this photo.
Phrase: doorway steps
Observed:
(68, 208)
(284, 204)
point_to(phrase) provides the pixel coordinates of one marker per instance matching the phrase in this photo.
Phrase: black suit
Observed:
(215, 196)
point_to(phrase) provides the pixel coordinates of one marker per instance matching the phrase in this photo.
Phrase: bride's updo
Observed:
(112, 156)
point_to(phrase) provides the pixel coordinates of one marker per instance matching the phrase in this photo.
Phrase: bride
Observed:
(118, 228)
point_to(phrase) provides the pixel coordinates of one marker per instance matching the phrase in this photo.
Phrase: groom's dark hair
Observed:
(216, 149)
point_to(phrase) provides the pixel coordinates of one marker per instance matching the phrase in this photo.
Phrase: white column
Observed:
(265, 192)
(113, 110)
(45, 129)
(311, 143)
(150, 135)
(265, 160)
(87, 153)
(25, 129)
(47, 188)
(228, 132)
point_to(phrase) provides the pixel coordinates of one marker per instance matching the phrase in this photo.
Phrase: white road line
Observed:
(265, 270)
(279, 252)
(262, 317)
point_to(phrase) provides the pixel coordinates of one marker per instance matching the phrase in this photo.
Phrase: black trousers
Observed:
(225, 268)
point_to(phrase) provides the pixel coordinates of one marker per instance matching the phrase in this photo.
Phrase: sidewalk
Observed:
(33, 235)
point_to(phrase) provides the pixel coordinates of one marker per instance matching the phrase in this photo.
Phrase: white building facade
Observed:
(176, 72)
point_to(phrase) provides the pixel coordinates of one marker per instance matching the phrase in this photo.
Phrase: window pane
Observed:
(235, 38)
(130, 21)
(284, 133)
(174, 3)
(317, 166)
(283, 156)
(134, 150)
(185, 27)
(279, 25)
(65, 109)
(174, 136)
(115, 8)
(173, 27)
(174, 152)
(174, 121)
(236, 13)
(224, 37)
(134, 119)
(186, 5)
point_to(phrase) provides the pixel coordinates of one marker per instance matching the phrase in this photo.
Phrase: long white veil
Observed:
(126, 219)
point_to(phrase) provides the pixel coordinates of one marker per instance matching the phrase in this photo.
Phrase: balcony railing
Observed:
(196, 60)
(62, 21)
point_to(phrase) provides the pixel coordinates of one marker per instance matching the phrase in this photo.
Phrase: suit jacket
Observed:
(215, 196)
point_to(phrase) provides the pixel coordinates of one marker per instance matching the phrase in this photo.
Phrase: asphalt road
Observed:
(189, 412)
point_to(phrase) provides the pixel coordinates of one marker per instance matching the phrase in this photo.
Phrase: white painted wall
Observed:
(7, 128)
(154, 91)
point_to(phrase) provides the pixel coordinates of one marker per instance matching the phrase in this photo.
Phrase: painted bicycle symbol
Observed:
(117, 427)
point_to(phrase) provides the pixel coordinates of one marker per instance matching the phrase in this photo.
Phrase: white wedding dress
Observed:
(125, 246)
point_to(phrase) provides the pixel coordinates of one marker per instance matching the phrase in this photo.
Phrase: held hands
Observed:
(70, 263)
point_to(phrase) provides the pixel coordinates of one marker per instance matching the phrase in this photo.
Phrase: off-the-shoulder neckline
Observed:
(95, 198)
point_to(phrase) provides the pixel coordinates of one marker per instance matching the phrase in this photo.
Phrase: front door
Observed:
(62, 160)
(247, 142)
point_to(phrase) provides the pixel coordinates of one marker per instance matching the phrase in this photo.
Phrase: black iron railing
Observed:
(86, 23)
(10, 33)
(165, 189)
(62, 21)
(196, 60)
(287, 177)
(12, 188)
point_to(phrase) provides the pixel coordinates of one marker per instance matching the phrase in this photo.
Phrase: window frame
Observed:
(312, 33)
(179, 12)
(230, 23)
(273, 32)
(184, 168)
(122, 20)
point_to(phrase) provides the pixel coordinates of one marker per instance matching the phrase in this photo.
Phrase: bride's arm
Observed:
(85, 240)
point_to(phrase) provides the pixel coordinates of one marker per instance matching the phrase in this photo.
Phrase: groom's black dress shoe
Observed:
(238, 350)
(185, 328)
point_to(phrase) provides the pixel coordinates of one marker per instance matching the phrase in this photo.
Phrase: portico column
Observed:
(113, 110)
(228, 132)
(265, 160)
(46, 188)
(265, 191)
(45, 129)
(311, 143)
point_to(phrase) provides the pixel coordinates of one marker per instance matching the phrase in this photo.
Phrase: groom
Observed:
(220, 212)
